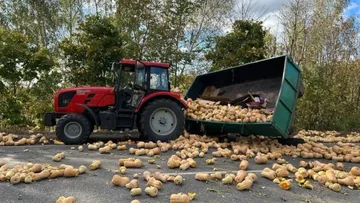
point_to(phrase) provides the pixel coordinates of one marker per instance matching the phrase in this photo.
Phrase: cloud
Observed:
(353, 5)
(272, 22)
(269, 10)
(353, 8)
(272, 5)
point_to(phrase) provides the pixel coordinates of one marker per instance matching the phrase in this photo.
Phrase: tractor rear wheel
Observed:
(73, 129)
(162, 120)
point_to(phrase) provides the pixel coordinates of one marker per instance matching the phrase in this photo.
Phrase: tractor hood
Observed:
(73, 100)
(86, 90)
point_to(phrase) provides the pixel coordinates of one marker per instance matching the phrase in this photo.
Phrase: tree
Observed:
(38, 99)
(20, 61)
(325, 44)
(38, 20)
(244, 44)
(206, 22)
(155, 30)
(105, 8)
(21, 65)
(72, 12)
(88, 56)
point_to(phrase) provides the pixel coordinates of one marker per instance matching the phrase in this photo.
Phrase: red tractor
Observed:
(140, 99)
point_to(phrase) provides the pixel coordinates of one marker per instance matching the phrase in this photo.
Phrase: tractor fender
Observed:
(156, 95)
(91, 113)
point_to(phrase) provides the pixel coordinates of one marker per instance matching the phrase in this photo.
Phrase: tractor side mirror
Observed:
(113, 67)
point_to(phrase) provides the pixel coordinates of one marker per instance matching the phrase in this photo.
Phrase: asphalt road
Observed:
(95, 186)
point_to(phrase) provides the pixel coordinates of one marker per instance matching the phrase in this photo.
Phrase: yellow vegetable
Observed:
(82, 169)
(137, 163)
(282, 172)
(202, 176)
(228, 179)
(151, 191)
(179, 198)
(135, 191)
(63, 199)
(71, 172)
(243, 165)
(120, 180)
(155, 183)
(244, 185)
(178, 180)
(121, 161)
(349, 181)
(15, 179)
(335, 187)
(159, 176)
(261, 159)
(146, 175)
(95, 165)
(132, 184)
(286, 184)
(105, 150)
(268, 173)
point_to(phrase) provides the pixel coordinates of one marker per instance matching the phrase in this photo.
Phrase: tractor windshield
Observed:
(159, 79)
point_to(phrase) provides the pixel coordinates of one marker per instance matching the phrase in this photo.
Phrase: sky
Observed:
(274, 6)
(271, 20)
(353, 8)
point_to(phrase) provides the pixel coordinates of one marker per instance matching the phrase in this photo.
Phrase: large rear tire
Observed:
(140, 130)
(162, 120)
(73, 129)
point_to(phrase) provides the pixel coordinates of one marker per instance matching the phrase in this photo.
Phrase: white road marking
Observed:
(195, 172)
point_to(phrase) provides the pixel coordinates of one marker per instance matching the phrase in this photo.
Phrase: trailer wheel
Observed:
(162, 120)
(73, 129)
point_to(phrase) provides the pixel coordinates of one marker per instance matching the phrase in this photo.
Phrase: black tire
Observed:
(91, 130)
(92, 122)
(76, 119)
(140, 130)
(152, 107)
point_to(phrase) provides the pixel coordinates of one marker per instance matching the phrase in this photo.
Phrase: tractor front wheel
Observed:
(162, 120)
(73, 129)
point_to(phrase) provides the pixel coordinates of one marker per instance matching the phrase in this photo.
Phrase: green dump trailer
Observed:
(277, 79)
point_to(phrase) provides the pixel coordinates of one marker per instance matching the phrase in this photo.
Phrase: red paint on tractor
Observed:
(102, 96)
(173, 95)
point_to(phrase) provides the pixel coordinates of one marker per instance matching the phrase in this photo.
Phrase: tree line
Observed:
(46, 45)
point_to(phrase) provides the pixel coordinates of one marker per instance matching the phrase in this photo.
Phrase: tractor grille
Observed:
(65, 98)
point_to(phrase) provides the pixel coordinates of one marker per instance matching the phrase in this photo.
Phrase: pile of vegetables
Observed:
(259, 147)
(201, 110)
(328, 136)
(241, 179)
(130, 163)
(28, 173)
(105, 148)
(154, 182)
(329, 175)
(149, 148)
(15, 140)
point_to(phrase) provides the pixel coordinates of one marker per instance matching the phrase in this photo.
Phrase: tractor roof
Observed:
(146, 63)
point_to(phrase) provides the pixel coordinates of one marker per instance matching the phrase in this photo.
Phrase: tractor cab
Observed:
(136, 79)
(143, 100)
